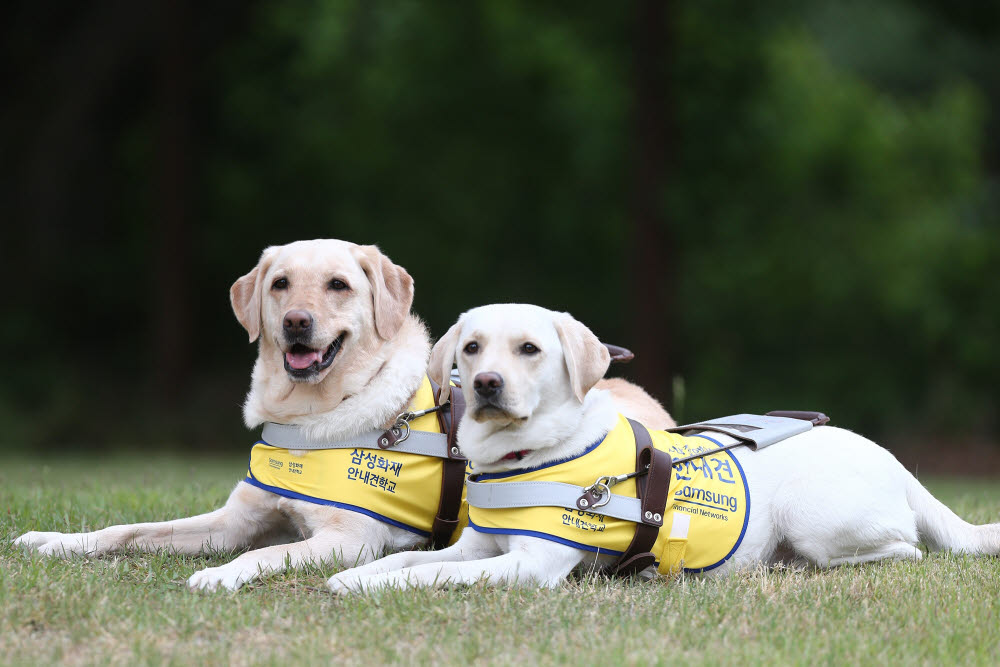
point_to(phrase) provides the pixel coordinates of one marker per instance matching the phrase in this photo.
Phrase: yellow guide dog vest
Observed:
(707, 506)
(399, 488)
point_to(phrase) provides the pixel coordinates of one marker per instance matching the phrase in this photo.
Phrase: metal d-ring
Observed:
(604, 484)
(604, 497)
(600, 490)
(398, 428)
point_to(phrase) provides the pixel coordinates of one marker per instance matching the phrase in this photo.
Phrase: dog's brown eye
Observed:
(280, 283)
(472, 348)
(337, 285)
(530, 348)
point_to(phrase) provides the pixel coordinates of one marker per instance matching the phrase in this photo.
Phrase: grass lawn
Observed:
(135, 608)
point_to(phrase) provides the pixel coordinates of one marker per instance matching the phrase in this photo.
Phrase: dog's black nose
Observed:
(297, 322)
(487, 384)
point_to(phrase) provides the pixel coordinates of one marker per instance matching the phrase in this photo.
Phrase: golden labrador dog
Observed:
(536, 416)
(339, 355)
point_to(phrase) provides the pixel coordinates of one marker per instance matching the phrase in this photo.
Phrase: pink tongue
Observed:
(301, 360)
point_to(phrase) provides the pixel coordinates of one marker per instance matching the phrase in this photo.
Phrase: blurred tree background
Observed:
(775, 204)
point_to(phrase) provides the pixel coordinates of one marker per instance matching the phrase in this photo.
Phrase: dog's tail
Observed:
(941, 529)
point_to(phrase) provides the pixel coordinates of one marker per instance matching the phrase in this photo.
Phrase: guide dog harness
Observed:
(694, 521)
(411, 476)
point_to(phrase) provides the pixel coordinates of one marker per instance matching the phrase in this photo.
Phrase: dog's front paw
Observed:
(67, 545)
(35, 539)
(225, 576)
(351, 584)
(344, 583)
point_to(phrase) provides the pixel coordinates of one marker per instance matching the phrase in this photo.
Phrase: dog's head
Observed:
(521, 366)
(314, 304)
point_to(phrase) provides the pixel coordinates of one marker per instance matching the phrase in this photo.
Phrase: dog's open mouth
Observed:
(303, 361)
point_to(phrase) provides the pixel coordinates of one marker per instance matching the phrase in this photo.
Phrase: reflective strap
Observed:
(681, 526)
(418, 442)
(545, 494)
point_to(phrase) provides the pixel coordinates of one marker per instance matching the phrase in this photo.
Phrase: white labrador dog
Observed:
(830, 496)
(339, 355)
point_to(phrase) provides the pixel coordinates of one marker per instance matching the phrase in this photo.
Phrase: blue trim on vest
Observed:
(746, 516)
(544, 536)
(253, 481)
(525, 471)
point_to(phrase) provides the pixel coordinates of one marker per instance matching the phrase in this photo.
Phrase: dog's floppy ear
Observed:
(443, 358)
(247, 292)
(392, 289)
(586, 357)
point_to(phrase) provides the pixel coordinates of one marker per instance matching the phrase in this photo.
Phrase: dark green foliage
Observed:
(830, 197)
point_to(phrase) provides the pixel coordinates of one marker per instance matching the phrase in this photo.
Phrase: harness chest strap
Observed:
(288, 436)
(551, 494)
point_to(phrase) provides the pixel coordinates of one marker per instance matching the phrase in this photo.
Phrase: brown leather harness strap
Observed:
(652, 486)
(453, 472)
